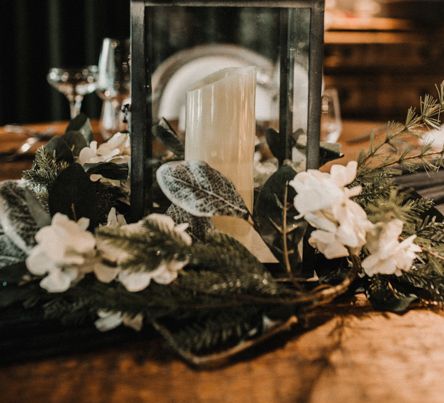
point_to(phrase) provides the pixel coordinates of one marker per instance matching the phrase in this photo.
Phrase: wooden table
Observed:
(358, 356)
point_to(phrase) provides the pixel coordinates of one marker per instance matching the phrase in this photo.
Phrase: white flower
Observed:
(110, 320)
(168, 223)
(315, 191)
(346, 229)
(116, 149)
(324, 201)
(318, 190)
(114, 219)
(167, 270)
(62, 248)
(387, 254)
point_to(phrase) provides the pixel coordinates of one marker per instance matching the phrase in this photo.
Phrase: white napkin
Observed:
(435, 138)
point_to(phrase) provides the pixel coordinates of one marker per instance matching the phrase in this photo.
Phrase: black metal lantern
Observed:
(287, 33)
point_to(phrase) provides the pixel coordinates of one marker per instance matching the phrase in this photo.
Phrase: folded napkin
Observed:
(435, 138)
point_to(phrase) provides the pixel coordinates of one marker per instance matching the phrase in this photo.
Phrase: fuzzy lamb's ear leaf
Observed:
(16, 216)
(81, 124)
(74, 195)
(276, 142)
(165, 133)
(200, 190)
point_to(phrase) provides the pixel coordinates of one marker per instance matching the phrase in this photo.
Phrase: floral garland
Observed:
(66, 247)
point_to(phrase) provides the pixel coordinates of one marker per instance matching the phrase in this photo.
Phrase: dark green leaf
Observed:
(109, 170)
(329, 152)
(276, 142)
(268, 216)
(73, 194)
(164, 132)
(12, 274)
(59, 149)
(81, 124)
(385, 297)
(13, 294)
(200, 190)
(75, 141)
(216, 331)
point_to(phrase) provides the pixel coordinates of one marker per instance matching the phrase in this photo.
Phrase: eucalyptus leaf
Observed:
(200, 190)
(198, 227)
(268, 216)
(165, 133)
(74, 195)
(81, 124)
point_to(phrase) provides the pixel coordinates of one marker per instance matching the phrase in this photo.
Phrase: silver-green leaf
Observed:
(200, 190)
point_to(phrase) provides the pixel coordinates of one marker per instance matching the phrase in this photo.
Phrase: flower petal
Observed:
(134, 281)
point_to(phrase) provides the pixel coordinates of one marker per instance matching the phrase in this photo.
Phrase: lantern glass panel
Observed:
(187, 43)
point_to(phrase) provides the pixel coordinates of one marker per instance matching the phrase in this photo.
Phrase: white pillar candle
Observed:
(221, 125)
(221, 130)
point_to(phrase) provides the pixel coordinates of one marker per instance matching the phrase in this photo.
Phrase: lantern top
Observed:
(234, 3)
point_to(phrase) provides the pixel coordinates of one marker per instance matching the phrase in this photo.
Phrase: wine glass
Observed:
(113, 83)
(74, 83)
(331, 124)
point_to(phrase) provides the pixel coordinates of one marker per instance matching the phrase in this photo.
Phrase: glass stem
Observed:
(75, 103)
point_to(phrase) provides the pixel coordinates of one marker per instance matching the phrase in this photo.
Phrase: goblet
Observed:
(331, 124)
(113, 83)
(74, 83)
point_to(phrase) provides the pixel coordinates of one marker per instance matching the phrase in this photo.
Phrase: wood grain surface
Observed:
(356, 355)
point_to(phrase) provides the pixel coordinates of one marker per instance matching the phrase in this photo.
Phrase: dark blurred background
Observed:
(37, 35)
(381, 55)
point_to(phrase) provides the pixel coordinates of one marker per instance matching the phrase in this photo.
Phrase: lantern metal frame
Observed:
(141, 87)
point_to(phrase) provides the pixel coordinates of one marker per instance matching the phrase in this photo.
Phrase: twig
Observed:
(222, 357)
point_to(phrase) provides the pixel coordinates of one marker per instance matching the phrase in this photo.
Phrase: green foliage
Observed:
(145, 247)
(200, 189)
(213, 332)
(82, 125)
(43, 173)
(197, 226)
(274, 218)
(73, 195)
(168, 137)
(384, 296)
